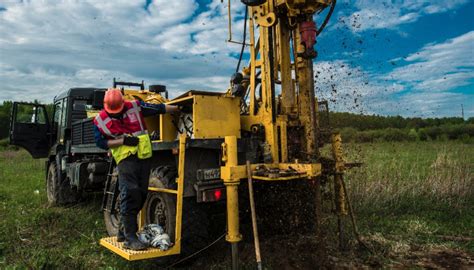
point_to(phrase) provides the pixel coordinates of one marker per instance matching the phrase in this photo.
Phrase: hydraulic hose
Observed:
(328, 16)
(243, 40)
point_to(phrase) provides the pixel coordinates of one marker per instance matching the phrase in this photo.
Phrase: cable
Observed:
(197, 252)
(326, 20)
(243, 40)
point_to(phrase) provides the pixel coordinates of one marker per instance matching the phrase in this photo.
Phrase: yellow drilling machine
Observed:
(266, 128)
(268, 118)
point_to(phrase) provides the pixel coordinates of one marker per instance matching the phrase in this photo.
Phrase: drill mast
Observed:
(282, 36)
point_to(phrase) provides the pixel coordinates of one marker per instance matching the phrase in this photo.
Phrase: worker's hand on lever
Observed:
(127, 140)
(130, 141)
(171, 108)
(178, 108)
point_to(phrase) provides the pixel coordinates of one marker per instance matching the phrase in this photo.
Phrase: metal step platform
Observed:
(133, 255)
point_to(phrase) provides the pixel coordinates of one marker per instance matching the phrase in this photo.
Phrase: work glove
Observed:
(130, 141)
(185, 109)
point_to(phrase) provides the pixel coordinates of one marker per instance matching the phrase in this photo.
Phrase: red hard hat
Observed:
(113, 101)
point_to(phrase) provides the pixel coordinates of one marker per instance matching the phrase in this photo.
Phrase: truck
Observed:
(74, 164)
(267, 127)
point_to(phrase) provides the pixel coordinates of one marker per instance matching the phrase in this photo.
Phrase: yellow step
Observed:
(133, 255)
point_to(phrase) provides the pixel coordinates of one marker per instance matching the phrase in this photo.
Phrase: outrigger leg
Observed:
(233, 234)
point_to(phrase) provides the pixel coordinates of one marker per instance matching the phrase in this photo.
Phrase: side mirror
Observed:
(98, 99)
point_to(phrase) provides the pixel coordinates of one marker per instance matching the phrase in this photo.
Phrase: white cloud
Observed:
(439, 67)
(427, 104)
(48, 46)
(350, 88)
(391, 14)
(425, 86)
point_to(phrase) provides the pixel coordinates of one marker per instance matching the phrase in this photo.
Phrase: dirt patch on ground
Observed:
(441, 259)
(301, 252)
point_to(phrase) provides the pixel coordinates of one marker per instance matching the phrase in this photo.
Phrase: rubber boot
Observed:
(131, 239)
(121, 232)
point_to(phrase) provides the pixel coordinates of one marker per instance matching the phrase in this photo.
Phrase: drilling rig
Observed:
(267, 127)
(269, 117)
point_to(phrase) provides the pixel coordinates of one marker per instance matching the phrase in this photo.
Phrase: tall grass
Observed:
(413, 196)
(397, 174)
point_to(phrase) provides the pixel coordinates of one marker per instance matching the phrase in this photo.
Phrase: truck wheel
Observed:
(52, 184)
(161, 209)
(112, 220)
(58, 189)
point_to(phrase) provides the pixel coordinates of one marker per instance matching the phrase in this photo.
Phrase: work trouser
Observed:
(133, 175)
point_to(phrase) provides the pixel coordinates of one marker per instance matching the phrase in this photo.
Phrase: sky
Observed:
(409, 58)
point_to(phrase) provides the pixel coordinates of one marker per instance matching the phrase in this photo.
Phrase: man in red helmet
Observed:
(120, 128)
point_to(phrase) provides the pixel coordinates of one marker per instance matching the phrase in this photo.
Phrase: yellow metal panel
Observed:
(216, 117)
(152, 123)
(179, 100)
(248, 120)
(167, 129)
(133, 255)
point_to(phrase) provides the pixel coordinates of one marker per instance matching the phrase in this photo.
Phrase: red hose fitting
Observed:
(308, 37)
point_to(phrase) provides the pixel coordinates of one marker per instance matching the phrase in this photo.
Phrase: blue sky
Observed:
(409, 58)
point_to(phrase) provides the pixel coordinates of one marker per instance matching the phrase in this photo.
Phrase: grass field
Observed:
(413, 201)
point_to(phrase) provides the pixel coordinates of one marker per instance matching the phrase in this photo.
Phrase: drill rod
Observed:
(235, 255)
(254, 218)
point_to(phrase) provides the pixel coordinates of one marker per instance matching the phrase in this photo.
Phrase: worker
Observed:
(120, 127)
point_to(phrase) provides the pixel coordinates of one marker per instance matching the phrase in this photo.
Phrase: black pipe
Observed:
(326, 20)
(243, 40)
(235, 255)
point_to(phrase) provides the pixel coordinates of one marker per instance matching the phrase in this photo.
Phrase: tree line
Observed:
(373, 128)
(370, 122)
(355, 127)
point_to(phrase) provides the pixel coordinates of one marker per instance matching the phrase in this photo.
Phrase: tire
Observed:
(112, 220)
(52, 185)
(58, 188)
(161, 209)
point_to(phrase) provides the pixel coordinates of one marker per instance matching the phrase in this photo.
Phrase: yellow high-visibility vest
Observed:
(143, 150)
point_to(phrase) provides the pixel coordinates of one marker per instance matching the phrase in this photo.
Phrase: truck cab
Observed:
(43, 130)
(63, 134)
